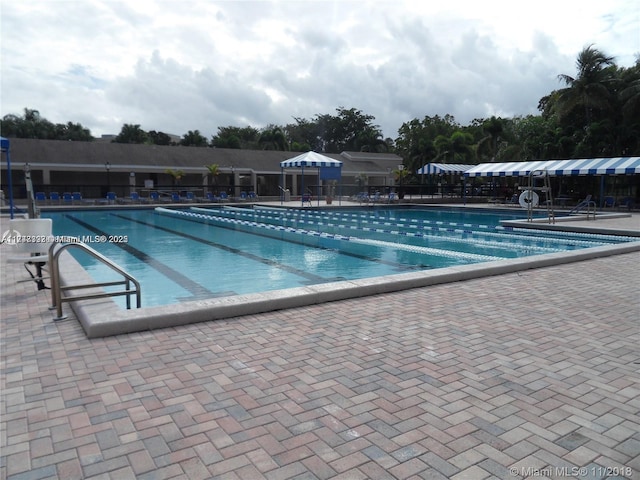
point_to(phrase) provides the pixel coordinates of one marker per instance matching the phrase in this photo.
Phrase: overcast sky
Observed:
(175, 66)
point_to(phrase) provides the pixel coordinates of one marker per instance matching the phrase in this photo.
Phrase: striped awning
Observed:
(311, 159)
(585, 166)
(436, 168)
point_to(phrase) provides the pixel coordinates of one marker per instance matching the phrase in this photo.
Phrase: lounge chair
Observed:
(67, 198)
(210, 197)
(76, 197)
(627, 203)
(362, 197)
(111, 198)
(34, 253)
(54, 197)
(224, 197)
(41, 198)
(609, 202)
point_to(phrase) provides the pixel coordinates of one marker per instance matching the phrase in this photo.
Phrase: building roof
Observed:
(93, 156)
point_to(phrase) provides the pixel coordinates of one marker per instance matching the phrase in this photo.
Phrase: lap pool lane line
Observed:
(197, 290)
(398, 266)
(309, 276)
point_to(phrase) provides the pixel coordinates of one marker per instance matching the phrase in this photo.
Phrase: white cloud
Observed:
(175, 66)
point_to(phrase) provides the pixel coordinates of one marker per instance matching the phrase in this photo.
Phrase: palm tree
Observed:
(459, 145)
(400, 174)
(176, 174)
(213, 172)
(273, 138)
(589, 89)
(494, 128)
(371, 141)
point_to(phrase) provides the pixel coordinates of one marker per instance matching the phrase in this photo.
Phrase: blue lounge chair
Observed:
(111, 198)
(224, 197)
(154, 197)
(76, 197)
(134, 197)
(54, 197)
(41, 198)
(67, 198)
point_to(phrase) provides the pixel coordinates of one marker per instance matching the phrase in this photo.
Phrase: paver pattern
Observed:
(527, 375)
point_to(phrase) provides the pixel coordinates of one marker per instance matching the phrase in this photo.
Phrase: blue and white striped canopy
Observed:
(310, 159)
(436, 168)
(585, 166)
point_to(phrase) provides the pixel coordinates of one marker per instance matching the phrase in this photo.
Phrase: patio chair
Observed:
(34, 253)
(111, 198)
(41, 198)
(224, 197)
(609, 202)
(67, 198)
(210, 197)
(54, 197)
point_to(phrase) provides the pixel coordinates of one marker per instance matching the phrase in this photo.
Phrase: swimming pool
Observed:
(196, 253)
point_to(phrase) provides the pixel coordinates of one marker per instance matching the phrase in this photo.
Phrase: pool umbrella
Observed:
(328, 168)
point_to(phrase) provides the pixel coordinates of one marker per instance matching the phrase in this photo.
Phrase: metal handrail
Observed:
(57, 289)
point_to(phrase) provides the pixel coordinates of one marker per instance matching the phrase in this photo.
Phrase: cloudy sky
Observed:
(174, 66)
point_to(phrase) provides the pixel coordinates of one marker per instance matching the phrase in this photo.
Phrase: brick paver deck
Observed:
(528, 375)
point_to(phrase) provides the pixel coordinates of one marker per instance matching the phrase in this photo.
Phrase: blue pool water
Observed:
(195, 253)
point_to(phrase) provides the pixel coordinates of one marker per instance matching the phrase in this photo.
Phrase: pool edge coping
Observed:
(103, 317)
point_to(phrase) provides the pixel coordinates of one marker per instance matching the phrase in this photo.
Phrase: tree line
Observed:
(595, 114)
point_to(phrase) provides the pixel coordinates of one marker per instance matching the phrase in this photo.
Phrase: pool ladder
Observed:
(57, 248)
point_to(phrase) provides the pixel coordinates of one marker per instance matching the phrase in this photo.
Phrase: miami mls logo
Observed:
(11, 237)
